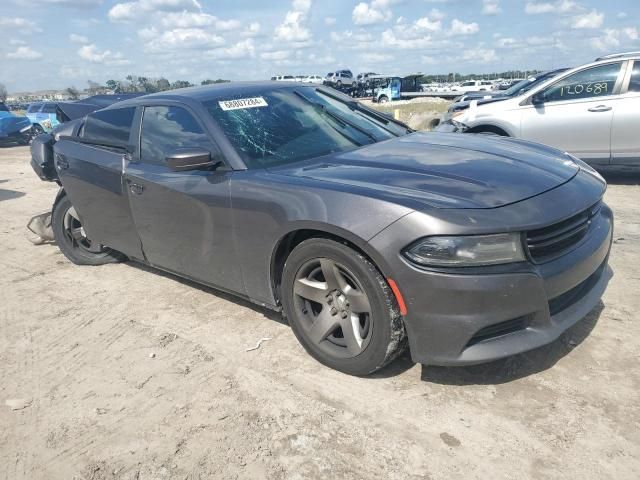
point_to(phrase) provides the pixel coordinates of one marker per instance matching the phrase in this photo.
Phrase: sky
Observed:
(62, 43)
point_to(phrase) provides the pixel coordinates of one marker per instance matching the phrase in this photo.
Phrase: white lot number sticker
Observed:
(240, 103)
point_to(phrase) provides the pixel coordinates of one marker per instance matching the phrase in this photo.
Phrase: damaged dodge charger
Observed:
(366, 235)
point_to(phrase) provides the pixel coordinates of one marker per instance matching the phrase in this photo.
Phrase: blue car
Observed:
(44, 116)
(13, 128)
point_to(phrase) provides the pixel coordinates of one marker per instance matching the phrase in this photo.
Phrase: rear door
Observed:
(183, 218)
(92, 176)
(625, 141)
(576, 113)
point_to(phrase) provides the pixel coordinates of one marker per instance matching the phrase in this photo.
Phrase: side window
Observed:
(592, 82)
(109, 127)
(34, 108)
(49, 108)
(165, 129)
(634, 84)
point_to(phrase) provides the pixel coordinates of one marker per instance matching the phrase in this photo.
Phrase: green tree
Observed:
(72, 92)
(181, 84)
(211, 82)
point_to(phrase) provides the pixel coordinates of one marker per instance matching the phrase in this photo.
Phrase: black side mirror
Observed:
(189, 159)
(537, 99)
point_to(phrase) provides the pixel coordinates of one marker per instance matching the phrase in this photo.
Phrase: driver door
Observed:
(183, 218)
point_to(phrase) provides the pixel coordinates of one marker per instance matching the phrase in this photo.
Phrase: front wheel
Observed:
(383, 99)
(341, 308)
(73, 241)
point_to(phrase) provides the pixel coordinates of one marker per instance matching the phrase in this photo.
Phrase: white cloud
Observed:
(134, 10)
(252, 30)
(321, 59)
(243, 49)
(276, 55)
(179, 39)
(592, 19)
(25, 53)
(612, 38)
(560, 6)
(329, 21)
(376, 11)
(375, 57)
(186, 19)
(81, 39)
(491, 7)
(19, 25)
(459, 27)
(92, 54)
(293, 28)
(479, 55)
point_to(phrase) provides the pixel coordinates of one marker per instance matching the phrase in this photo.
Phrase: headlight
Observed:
(467, 251)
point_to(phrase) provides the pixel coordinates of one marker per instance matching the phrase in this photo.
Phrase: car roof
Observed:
(212, 92)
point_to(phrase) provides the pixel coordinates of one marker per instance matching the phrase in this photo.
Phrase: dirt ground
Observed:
(123, 372)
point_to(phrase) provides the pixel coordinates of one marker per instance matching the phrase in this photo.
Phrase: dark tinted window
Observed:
(109, 127)
(593, 82)
(3, 107)
(49, 108)
(35, 107)
(634, 84)
(165, 129)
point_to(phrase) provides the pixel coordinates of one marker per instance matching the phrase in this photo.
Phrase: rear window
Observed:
(109, 127)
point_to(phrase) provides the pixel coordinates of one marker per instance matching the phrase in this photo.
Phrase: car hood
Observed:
(427, 170)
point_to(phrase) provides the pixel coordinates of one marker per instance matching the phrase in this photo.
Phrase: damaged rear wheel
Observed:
(73, 241)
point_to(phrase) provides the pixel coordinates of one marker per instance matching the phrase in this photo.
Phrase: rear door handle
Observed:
(600, 108)
(136, 189)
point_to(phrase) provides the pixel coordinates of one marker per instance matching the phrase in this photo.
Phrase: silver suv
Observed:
(592, 112)
(340, 78)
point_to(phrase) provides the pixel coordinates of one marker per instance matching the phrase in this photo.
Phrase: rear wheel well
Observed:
(290, 241)
(490, 129)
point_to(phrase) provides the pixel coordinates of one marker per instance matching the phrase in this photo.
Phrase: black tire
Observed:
(383, 99)
(69, 235)
(380, 330)
(339, 84)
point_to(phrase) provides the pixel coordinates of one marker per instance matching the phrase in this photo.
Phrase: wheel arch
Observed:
(489, 128)
(289, 241)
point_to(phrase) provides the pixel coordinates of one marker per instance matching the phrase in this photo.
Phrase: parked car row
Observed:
(591, 111)
(317, 79)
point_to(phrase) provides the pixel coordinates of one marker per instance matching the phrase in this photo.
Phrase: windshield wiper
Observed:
(353, 105)
(337, 118)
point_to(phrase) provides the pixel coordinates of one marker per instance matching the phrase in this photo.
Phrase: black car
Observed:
(365, 235)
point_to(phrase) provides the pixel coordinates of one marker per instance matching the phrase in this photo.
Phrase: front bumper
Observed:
(469, 318)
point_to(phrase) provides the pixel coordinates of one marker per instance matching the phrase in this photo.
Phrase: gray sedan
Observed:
(367, 236)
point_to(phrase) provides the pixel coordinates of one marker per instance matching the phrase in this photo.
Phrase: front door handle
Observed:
(136, 189)
(600, 108)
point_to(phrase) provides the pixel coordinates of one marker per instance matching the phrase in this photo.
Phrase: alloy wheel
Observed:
(74, 232)
(334, 307)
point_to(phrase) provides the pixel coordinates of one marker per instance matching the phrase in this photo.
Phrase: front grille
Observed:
(500, 329)
(548, 243)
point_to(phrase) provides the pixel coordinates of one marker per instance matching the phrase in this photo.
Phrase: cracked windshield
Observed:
(283, 126)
